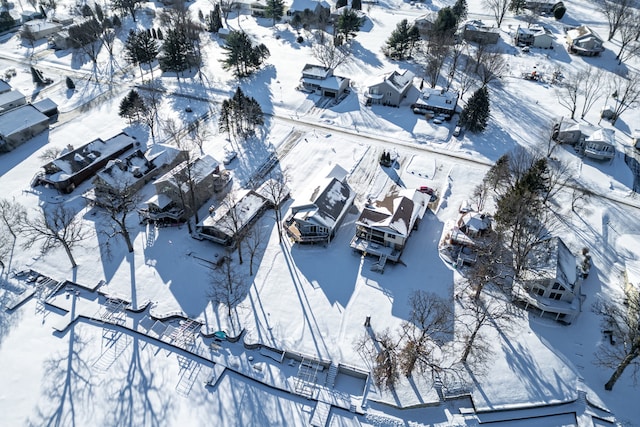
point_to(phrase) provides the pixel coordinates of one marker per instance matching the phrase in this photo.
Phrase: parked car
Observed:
(438, 120)
(456, 131)
(420, 110)
(430, 191)
(229, 156)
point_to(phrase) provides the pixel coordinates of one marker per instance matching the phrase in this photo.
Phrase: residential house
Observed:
(318, 219)
(10, 100)
(439, 101)
(424, 24)
(535, 36)
(584, 41)
(335, 14)
(251, 7)
(385, 225)
(315, 7)
(478, 32)
(571, 132)
(391, 89)
(550, 283)
(39, 29)
(601, 145)
(20, 125)
(321, 81)
(224, 225)
(175, 199)
(133, 171)
(47, 107)
(76, 165)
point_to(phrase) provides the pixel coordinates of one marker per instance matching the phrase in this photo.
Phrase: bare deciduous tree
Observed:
(227, 288)
(627, 90)
(491, 65)
(480, 313)
(616, 12)
(567, 93)
(118, 204)
(590, 87)
(328, 54)
(254, 239)
(621, 320)
(498, 8)
(629, 31)
(52, 229)
(233, 221)
(276, 189)
(11, 216)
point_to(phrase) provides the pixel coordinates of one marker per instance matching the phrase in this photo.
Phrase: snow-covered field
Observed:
(310, 300)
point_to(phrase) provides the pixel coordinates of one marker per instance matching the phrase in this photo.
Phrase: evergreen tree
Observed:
(240, 115)
(356, 4)
(141, 48)
(69, 83)
(274, 10)
(476, 114)
(402, 40)
(459, 9)
(132, 106)
(6, 21)
(241, 56)
(349, 23)
(178, 52)
(517, 6)
(214, 19)
(446, 21)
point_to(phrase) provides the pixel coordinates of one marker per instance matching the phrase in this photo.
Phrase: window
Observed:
(556, 296)
(540, 291)
(558, 286)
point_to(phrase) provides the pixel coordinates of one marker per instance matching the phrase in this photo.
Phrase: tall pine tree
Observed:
(476, 114)
(274, 10)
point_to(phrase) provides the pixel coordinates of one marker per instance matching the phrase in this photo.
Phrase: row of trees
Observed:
(588, 86)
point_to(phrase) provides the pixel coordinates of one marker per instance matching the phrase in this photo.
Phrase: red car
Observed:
(430, 191)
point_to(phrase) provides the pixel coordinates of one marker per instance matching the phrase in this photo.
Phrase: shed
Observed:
(47, 107)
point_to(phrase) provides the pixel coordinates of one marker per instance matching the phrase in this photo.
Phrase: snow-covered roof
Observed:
(396, 213)
(11, 97)
(400, 81)
(552, 259)
(316, 71)
(312, 5)
(607, 136)
(45, 105)
(20, 118)
(438, 98)
(200, 169)
(122, 173)
(582, 32)
(162, 154)
(80, 158)
(245, 209)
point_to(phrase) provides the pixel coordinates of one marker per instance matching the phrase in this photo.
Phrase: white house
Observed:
(19, 125)
(601, 145)
(550, 284)
(584, 41)
(321, 81)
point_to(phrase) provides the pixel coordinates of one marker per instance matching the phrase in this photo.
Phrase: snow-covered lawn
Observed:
(311, 300)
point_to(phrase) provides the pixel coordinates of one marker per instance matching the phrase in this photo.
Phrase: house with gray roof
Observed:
(385, 225)
(175, 199)
(20, 125)
(584, 41)
(439, 101)
(317, 219)
(10, 100)
(233, 218)
(390, 89)
(478, 32)
(4, 86)
(550, 283)
(76, 165)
